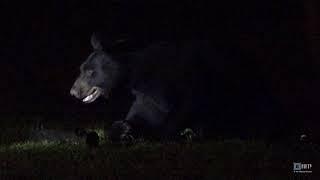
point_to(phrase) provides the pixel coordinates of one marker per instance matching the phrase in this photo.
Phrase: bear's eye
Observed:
(90, 72)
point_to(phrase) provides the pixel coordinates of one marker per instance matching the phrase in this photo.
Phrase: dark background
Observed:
(43, 45)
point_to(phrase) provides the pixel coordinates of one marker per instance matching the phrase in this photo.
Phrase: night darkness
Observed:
(44, 44)
(276, 43)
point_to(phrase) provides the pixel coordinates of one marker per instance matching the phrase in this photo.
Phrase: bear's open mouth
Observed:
(94, 93)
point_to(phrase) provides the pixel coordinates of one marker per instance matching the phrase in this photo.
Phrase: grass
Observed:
(219, 159)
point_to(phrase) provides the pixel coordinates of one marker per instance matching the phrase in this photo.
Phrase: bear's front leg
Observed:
(145, 118)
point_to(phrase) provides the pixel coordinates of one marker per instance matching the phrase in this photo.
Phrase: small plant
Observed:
(92, 139)
(188, 134)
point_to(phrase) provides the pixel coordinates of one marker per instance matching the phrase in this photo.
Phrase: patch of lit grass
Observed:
(39, 146)
(30, 145)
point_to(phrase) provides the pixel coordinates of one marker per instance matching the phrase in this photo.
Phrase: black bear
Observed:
(178, 85)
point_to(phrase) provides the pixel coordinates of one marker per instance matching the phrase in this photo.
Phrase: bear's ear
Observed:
(96, 42)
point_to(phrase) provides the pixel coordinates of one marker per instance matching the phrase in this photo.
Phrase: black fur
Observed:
(187, 84)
